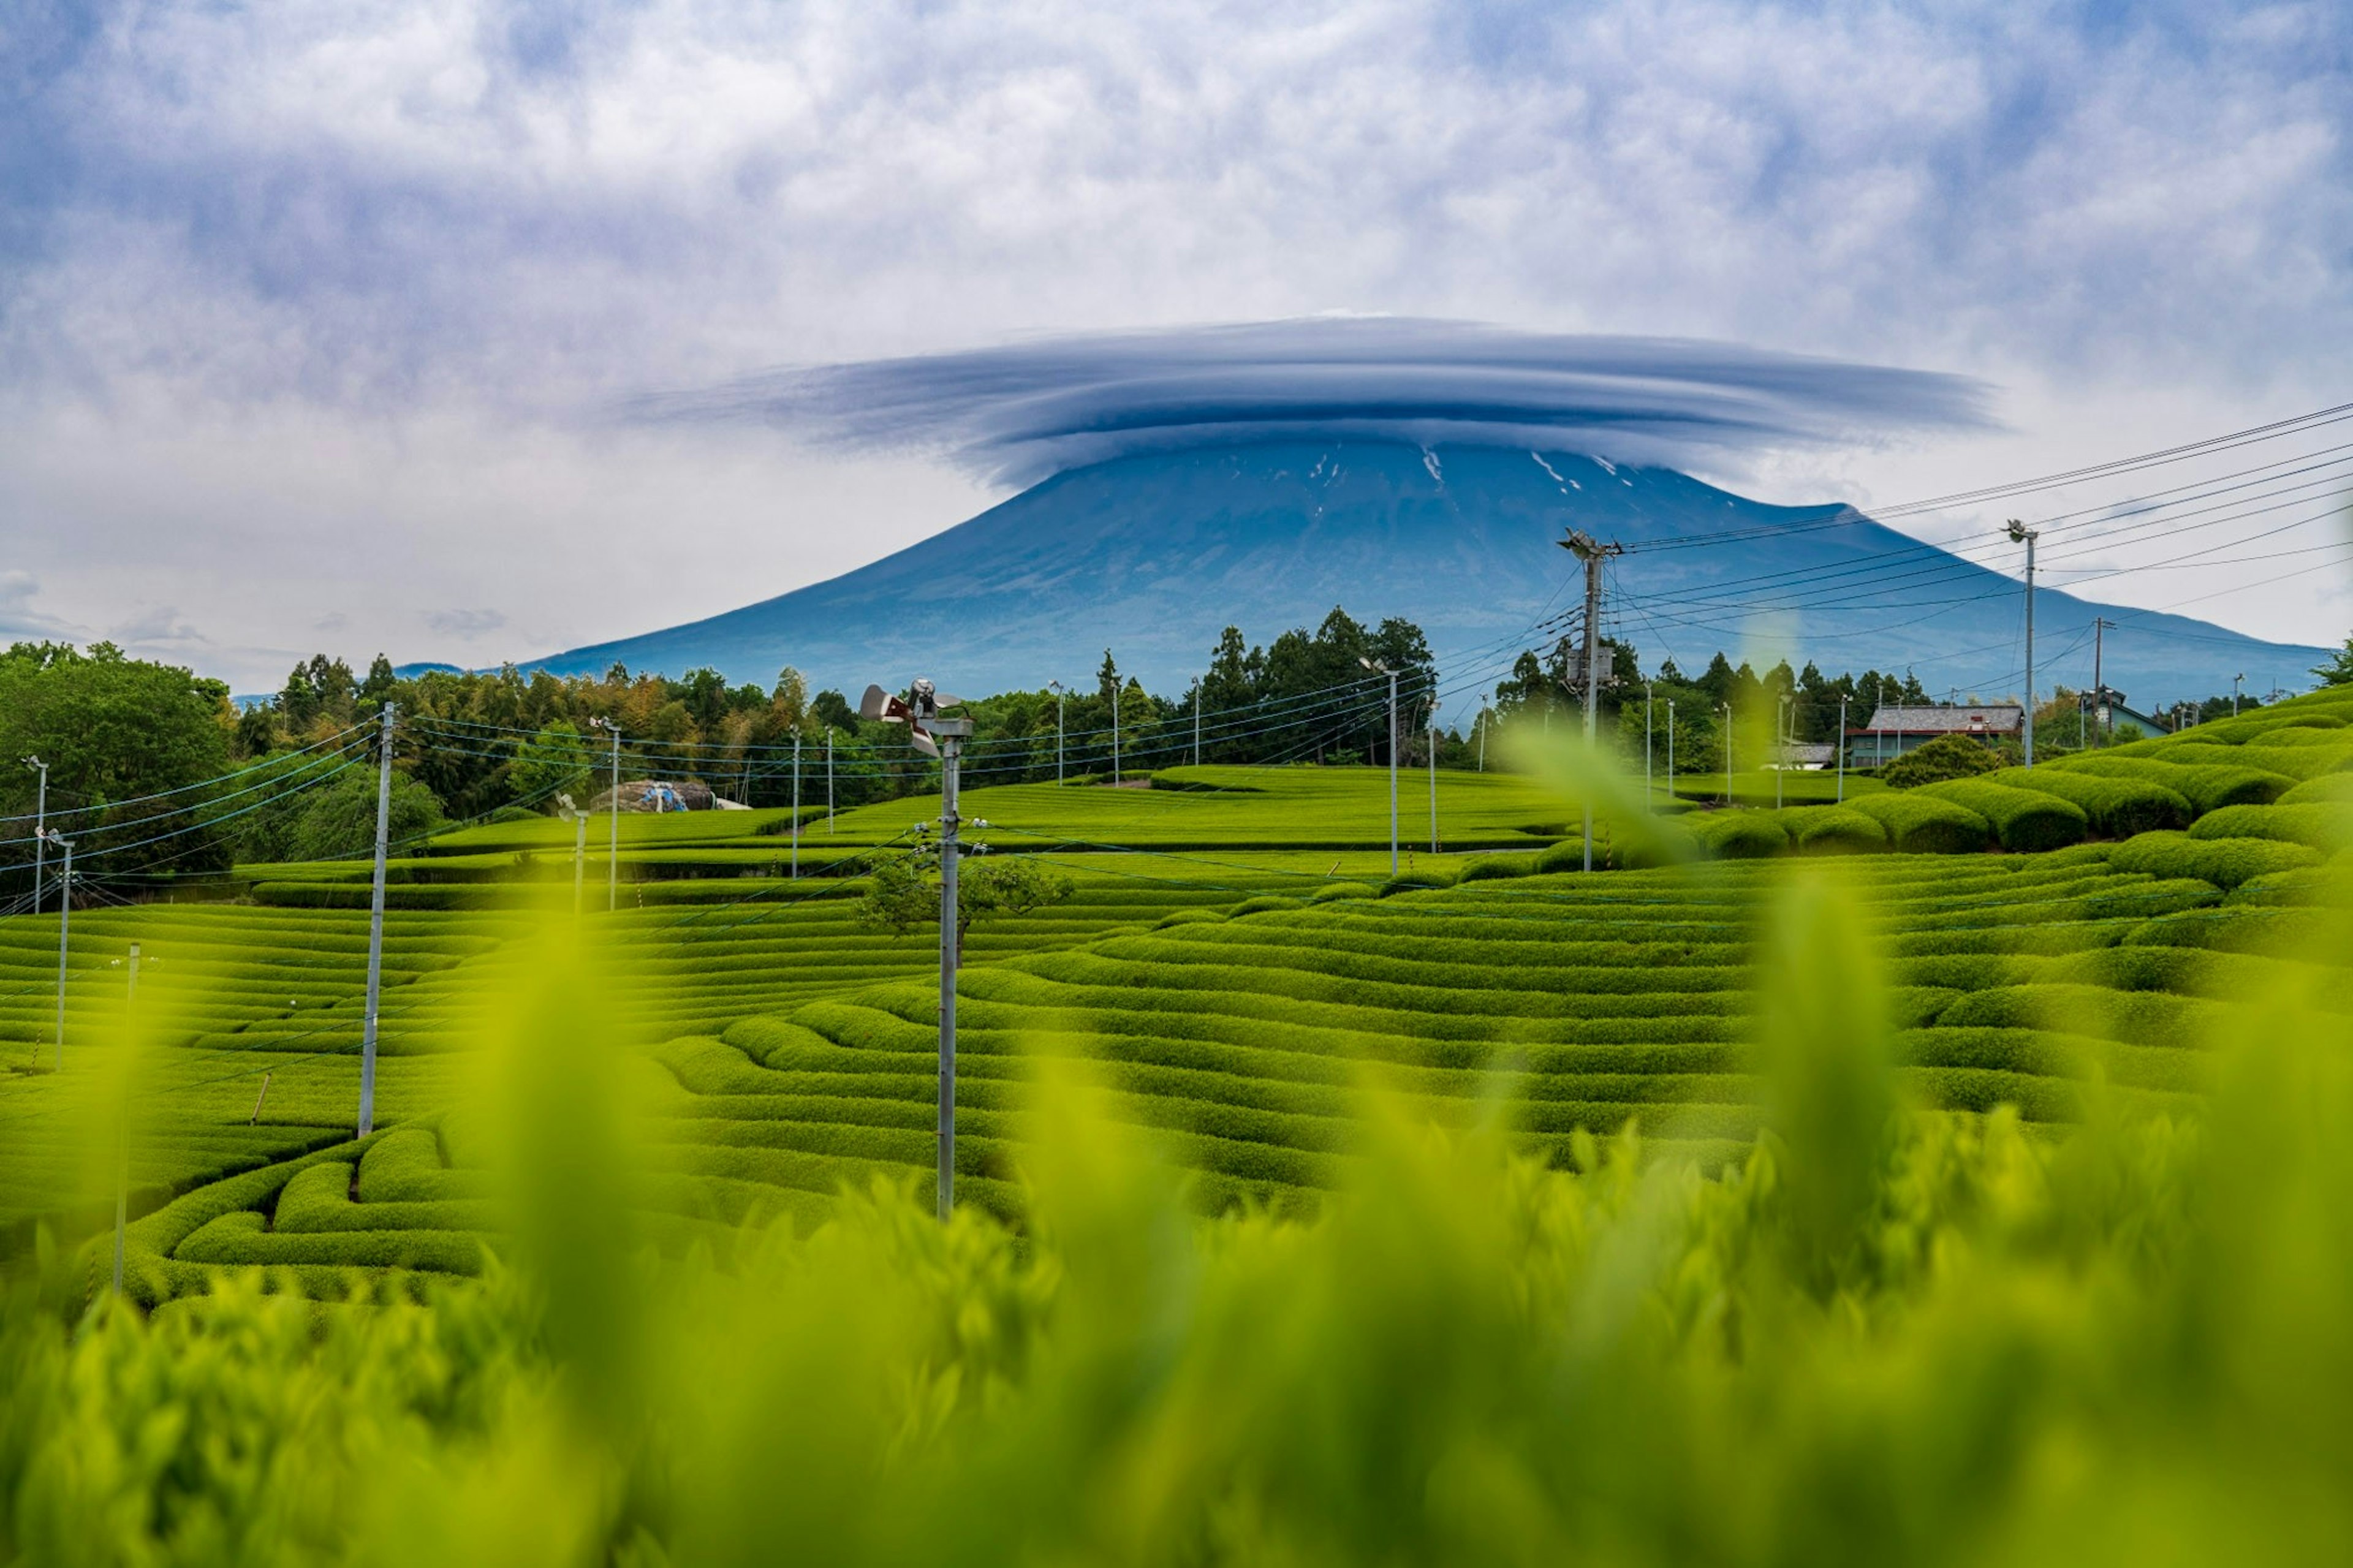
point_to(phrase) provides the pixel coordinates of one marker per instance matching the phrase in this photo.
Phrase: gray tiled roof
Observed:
(1995, 718)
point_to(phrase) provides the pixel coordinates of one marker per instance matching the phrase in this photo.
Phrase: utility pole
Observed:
(796, 805)
(65, 924)
(40, 827)
(2236, 681)
(1433, 778)
(2022, 534)
(829, 779)
(1781, 741)
(579, 820)
(1196, 723)
(1486, 717)
(1842, 752)
(613, 842)
(1059, 691)
(1727, 754)
(2099, 687)
(1114, 732)
(930, 732)
(1650, 800)
(375, 928)
(1380, 669)
(1593, 553)
(123, 1127)
(1671, 748)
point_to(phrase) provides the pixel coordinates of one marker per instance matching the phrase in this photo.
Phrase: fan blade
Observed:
(944, 701)
(924, 742)
(876, 704)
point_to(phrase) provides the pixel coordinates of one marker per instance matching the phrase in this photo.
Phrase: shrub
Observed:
(1831, 830)
(2322, 825)
(1481, 868)
(2336, 787)
(1946, 757)
(2225, 862)
(2024, 820)
(1926, 825)
(1334, 892)
(2118, 807)
(1739, 835)
(2207, 787)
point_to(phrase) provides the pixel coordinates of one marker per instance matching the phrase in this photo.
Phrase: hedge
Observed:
(2320, 825)
(2336, 787)
(2208, 787)
(1739, 835)
(2118, 807)
(1831, 830)
(2225, 862)
(1486, 867)
(1924, 825)
(2024, 820)
(1334, 892)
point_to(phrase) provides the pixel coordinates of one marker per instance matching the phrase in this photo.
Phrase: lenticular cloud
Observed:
(1022, 411)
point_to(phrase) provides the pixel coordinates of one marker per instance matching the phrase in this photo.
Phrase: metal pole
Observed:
(2099, 687)
(1649, 801)
(1058, 736)
(1196, 723)
(951, 749)
(1727, 754)
(1584, 547)
(65, 924)
(123, 1127)
(579, 855)
(1482, 722)
(375, 930)
(2020, 532)
(1114, 730)
(1842, 752)
(797, 804)
(1781, 740)
(2236, 681)
(829, 778)
(40, 828)
(1433, 781)
(1671, 748)
(1393, 740)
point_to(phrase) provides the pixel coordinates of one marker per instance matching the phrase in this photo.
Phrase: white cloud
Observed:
(466, 625)
(435, 234)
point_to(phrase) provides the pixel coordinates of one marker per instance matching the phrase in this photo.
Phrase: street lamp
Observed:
(1379, 669)
(2022, 534)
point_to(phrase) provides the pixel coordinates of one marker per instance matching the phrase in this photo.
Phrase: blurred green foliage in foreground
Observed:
(1889, 1336)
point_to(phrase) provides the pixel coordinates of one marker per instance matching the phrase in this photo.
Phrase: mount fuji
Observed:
(1151, 554)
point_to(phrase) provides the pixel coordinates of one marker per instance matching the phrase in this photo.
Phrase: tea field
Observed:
(1235, 972)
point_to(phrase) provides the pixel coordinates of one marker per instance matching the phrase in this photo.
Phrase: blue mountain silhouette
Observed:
(1152, 556)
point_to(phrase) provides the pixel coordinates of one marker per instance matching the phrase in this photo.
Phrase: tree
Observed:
(339, 824)
(1946, 757)
(555, 761)
(904, 892)
(125, 740)
(2338, 671)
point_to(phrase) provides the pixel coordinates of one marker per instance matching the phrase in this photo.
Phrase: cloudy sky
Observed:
(331, 323)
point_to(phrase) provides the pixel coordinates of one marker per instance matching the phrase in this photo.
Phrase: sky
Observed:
(415, 325)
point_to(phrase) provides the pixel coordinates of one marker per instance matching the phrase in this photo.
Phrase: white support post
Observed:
(65, 928)
(123, 1125)
(375, 930)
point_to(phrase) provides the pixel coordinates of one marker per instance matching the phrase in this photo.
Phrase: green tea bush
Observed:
(2023, 820)
(1831, 830)
(1334, 892)
(2336, 786)
(2321, 825)
(1481, 868)
(2118, 807)
(1917, 823)
(2207, 788)
(2225, 862)
(1737, 834)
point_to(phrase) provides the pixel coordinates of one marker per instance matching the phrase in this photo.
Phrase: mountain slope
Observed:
(1153, 555)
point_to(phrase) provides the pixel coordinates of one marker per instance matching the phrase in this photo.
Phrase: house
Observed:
(1894, 730)
(1802, 755)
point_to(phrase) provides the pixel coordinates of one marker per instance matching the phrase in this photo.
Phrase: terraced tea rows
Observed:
(232, 995)
(1565, 1003)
